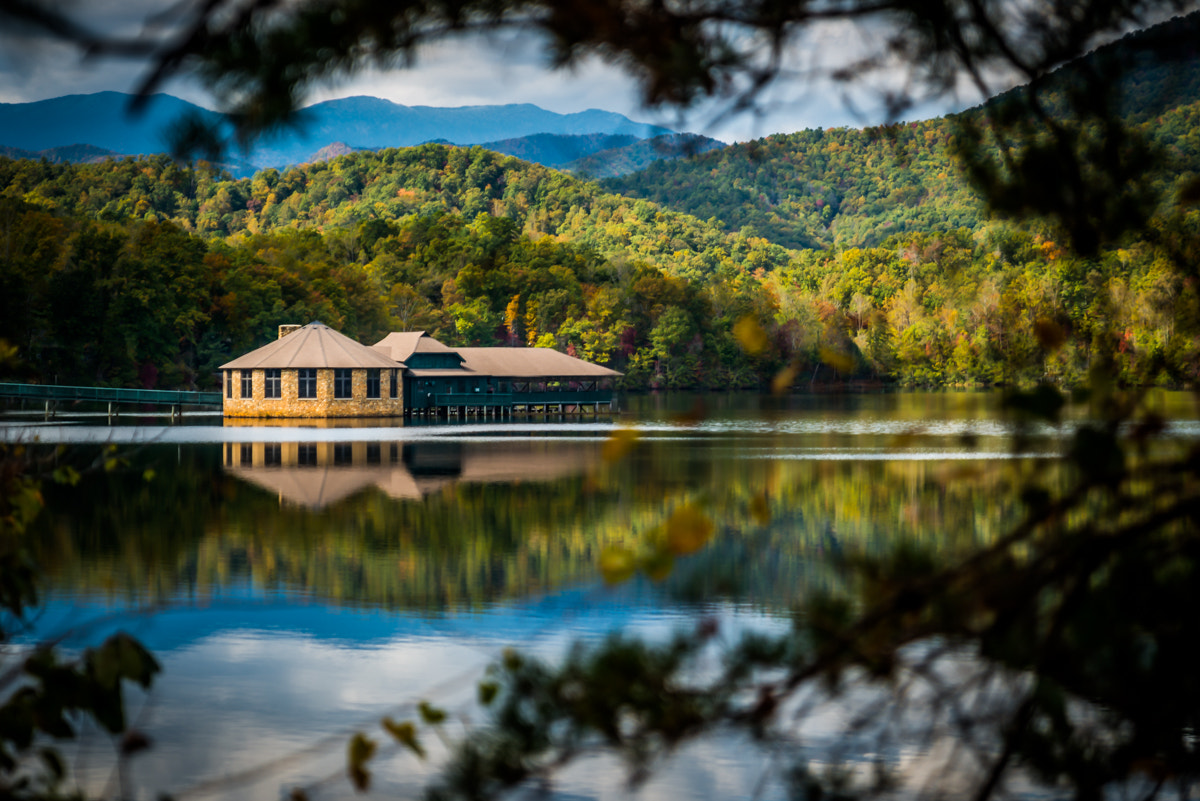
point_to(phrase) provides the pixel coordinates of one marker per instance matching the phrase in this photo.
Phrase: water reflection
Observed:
(315, 578)
(440, 517)
(317, 474)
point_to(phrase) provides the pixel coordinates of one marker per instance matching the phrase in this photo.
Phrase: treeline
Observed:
(148, 273)
(147, 303)
(389, 185)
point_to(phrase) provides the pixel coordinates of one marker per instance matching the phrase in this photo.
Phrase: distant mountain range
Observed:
(71, 154)
(85, 127)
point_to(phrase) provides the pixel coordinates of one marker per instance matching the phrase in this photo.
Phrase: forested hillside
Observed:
(855, 188)
(388, 185)
(146, 272)
(857, 254)
(820, 189)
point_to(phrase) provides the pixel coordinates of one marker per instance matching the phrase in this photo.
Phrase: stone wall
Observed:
(324, 405)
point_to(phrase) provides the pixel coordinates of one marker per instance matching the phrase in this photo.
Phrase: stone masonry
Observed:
(324, 405)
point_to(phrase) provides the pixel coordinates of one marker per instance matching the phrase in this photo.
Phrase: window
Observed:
(343, 453)
(306, 382)
(306, 454)
(373, 453)
(342, 383)
(247, 454)
(373, 383)
(272, 383)
(228, 383)
(272, 453)
(247, 384)
(395, 393)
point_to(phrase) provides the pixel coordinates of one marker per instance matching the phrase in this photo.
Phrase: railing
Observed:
(158, 397)
(471, 399)
(566, 396)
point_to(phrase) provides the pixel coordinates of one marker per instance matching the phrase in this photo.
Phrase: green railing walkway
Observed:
(505, 404)
(53, 393)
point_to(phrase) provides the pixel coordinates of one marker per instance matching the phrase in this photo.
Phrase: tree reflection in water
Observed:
(506, 529)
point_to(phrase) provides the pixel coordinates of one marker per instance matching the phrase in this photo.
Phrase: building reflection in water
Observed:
(317, 474)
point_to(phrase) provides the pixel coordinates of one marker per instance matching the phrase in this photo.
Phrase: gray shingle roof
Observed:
(499, 362)
(530, 363)
(402, 344)
(313, 345)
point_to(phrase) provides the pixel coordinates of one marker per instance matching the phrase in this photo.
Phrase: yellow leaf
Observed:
(431, 714)
(358, 754)
(750, 335)
(487, 692)
(617, 564)
(688, 530)
(618, 445)
(406, 734)
(783, 380)
(842, 362)
(8, 353)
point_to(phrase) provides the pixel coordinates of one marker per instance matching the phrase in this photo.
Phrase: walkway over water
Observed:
(53, 394)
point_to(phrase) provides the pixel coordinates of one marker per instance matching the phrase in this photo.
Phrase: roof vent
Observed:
(284, 330)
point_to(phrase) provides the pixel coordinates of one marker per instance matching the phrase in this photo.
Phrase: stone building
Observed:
(315, 372)
(312, 371)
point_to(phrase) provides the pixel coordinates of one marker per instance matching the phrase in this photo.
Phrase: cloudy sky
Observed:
(501, 69)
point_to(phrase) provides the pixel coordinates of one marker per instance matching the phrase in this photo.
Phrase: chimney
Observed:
(284, 330)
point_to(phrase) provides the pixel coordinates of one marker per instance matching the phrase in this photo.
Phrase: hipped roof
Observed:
(530, 363)
(400, 345)
(313, 345)
(499, 362)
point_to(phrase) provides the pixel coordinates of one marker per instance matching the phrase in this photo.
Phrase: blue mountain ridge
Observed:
(104, 120)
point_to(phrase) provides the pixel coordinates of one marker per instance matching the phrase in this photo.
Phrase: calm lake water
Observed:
(299, 583)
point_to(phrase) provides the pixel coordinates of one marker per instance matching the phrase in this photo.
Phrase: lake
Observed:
(298, 583)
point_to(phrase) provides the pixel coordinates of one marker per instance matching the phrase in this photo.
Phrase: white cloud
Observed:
(501, 68)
